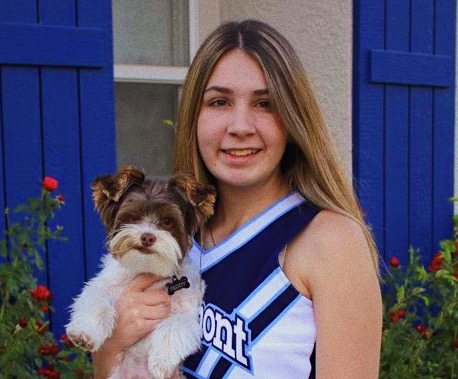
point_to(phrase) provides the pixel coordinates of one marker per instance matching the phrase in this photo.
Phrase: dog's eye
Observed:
(166, 222)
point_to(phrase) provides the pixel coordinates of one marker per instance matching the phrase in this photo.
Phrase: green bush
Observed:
(420, 326)
(27, 348)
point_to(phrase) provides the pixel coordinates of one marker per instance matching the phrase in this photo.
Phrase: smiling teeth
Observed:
(241, 153)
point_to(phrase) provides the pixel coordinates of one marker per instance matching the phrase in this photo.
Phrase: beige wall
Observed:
(321, 33)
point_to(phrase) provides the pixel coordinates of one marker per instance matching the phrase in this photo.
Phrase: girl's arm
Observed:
(330, 263)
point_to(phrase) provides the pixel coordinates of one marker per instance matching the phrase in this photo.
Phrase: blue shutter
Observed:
(404, 85)
(57, 119)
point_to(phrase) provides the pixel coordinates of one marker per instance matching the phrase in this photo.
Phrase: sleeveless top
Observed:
(255, 324)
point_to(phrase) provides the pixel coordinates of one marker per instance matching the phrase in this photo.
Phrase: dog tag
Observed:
(177, 284)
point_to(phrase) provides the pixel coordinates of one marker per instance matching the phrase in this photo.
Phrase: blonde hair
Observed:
(310, 163)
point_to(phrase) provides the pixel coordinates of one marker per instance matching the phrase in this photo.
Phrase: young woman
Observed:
(290, 266)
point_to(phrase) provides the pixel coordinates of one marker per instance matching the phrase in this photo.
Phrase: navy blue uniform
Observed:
(255, 323)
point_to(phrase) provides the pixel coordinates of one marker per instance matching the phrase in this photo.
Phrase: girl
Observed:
(291, 268)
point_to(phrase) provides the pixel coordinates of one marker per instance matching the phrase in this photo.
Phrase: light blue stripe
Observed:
(291, 200)
(210, 348)
(259, 289)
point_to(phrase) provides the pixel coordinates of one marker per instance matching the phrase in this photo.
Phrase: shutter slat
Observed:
(98, 147)
(444, 116)
(368, 160)
(61, 141)
(421, 135)
(21, 123)
(396, 138)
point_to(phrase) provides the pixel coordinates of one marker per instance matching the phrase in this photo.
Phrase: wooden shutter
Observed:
(404, 106)
(57, 119)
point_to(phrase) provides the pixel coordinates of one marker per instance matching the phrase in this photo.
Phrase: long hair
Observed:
(310, 164)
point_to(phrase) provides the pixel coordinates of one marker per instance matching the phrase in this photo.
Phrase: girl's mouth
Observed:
(241, 152)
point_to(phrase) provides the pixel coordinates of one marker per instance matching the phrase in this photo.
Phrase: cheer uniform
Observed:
(255, 323)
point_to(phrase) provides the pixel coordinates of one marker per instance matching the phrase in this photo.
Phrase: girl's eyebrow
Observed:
(218, 89)
(225, 90)
(261, 92)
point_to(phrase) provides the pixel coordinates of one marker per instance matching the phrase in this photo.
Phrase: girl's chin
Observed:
(243, 180)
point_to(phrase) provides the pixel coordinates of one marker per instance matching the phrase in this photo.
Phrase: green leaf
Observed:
(400, 294)
(425, 299)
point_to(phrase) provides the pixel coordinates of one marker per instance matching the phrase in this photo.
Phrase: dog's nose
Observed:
(147, 239)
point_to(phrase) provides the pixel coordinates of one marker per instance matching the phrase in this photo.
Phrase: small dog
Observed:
(150, 224)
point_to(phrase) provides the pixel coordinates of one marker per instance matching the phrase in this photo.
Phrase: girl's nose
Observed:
(242, 122)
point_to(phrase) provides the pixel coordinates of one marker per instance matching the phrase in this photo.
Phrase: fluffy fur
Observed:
(149, 225)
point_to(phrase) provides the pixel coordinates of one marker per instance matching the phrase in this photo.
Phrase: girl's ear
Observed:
(107, 190)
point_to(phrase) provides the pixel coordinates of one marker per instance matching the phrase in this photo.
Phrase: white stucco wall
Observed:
(321, 33)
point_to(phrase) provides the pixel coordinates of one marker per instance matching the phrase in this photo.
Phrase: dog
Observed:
(150, 224)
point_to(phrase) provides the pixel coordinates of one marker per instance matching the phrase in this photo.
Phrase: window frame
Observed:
(132, 73)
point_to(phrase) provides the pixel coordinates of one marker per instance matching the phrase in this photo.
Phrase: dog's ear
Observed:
(199, 197)
(107, 190)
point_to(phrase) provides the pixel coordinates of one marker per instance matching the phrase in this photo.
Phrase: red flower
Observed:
(60, 199)
(455, 343)
(50, 184)
(23, 322)
(395, 316)
(423, 330)
(41, 293)
(49, 373)
(66, 341)
(41, 328)
(52, 374)
(49, 348)
(44, 307)
(394, 262)
(79, 373)
(437, 261)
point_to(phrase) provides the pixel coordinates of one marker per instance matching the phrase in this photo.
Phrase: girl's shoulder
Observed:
(330, 244)
(328, 228)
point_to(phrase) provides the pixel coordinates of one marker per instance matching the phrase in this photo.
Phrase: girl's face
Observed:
(240, 138)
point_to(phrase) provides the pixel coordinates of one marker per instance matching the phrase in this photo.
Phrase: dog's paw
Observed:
(82, 341)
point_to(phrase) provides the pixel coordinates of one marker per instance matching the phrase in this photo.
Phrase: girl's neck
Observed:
(236, 206)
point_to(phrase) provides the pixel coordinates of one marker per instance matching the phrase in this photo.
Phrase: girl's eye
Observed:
(264, 104)
(218, 103)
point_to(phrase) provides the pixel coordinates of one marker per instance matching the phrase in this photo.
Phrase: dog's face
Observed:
(150, 222)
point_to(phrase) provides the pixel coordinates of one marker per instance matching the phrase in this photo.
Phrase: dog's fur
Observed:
(149, 225)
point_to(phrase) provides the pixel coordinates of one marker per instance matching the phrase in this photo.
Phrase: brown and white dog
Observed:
(150, 224)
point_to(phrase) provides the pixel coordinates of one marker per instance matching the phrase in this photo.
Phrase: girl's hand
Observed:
(139, 310)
